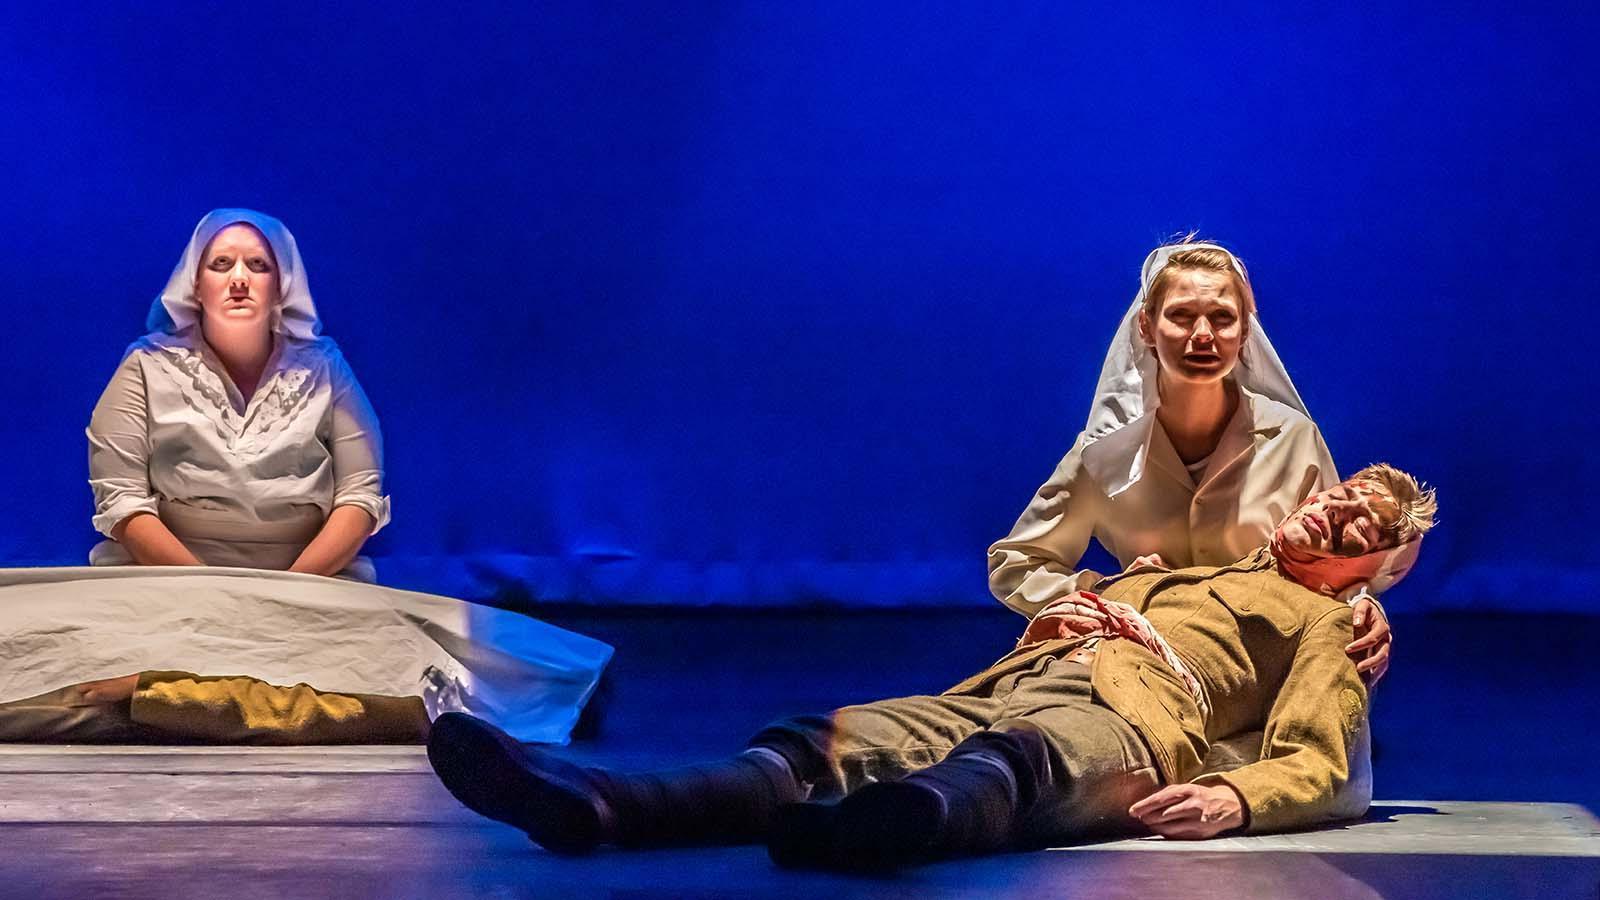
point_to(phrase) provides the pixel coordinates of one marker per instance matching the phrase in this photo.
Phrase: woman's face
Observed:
(238, 279)
(1197, 333)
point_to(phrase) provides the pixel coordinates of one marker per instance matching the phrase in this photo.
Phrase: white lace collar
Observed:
(202, 381)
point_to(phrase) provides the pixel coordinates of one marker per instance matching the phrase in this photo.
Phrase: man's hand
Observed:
(1370, 649)
(1190, 811)
(1148, 561)
(112, 690)
(1062, 619)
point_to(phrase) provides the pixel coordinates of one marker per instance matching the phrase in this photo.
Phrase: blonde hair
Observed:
(1203, 259)
(1415, 504)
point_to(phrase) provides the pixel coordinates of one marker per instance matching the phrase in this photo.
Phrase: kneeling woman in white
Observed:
(1197, 446)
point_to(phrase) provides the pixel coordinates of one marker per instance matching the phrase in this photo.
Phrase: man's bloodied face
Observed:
(1352, 518)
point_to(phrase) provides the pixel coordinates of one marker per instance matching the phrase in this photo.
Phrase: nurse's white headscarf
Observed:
(1125, 400)
(177, 308)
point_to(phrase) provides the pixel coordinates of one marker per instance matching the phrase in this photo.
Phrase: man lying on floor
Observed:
(1107, 698)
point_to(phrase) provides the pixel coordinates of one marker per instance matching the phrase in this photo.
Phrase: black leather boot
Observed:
(571, 809)
(968, 803)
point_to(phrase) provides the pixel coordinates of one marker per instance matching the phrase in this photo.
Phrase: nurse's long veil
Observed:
(1126, 398)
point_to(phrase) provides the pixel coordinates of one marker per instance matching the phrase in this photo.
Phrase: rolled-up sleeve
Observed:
(357, 447)
(119, 449)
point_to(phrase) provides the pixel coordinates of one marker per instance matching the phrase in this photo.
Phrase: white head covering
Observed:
(1117, 435)
(177, 308)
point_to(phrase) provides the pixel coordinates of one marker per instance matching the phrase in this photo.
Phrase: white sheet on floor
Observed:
(61, 626)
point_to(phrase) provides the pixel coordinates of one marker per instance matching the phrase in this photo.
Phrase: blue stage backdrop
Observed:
(781, 303)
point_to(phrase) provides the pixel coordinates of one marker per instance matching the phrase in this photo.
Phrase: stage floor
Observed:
(372, 822)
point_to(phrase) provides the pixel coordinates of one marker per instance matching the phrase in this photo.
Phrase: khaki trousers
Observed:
(181, 707)
(1098, 765)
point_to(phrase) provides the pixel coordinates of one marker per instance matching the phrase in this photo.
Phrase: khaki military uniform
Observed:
(181, 707)
(1269, 655)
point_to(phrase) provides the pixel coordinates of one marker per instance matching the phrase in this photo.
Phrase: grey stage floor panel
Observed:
(371, 821)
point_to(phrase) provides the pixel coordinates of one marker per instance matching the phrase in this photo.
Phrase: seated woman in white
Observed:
(233, 434)
(1197, 446)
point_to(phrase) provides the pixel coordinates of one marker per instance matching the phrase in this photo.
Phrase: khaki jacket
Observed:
(1270, 458)
(1270, 657)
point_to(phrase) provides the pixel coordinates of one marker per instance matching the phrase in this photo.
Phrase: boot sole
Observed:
(495, 776)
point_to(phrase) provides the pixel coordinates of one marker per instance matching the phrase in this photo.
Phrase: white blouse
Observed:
(1270, 458)
(240, 483)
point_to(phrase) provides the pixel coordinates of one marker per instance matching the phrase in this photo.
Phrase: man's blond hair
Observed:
(1415, 505)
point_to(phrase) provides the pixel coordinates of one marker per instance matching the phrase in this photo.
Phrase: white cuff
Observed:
(375, 506)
